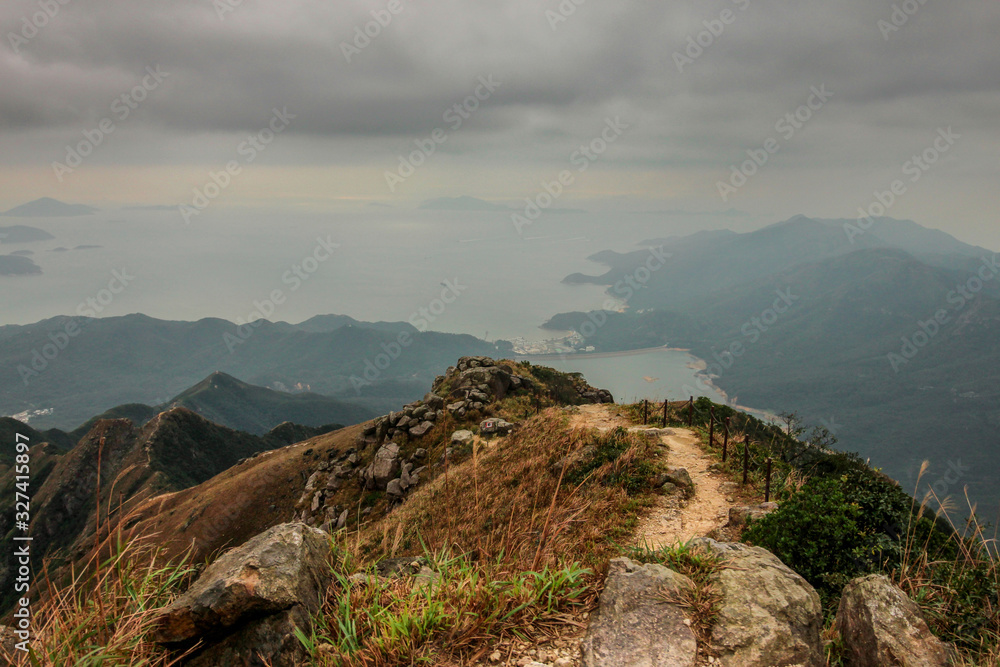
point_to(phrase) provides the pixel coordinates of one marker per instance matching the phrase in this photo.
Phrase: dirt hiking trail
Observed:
(670, 521)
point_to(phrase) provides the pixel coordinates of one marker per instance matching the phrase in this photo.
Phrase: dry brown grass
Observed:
(103, 613)
(519, 551)
(504, 500)
(959, 595)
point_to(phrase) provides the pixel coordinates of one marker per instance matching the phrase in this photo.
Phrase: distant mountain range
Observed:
(890, 336)
(46, 207)
(140, 360)
(135, 458)
(225, 400)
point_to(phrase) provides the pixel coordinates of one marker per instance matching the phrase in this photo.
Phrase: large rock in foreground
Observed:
(882, 627)
(769, 615)
(248, 602)
(634, 626)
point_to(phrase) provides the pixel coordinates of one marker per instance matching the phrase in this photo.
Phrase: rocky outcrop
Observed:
(634, 626)
(477, 382)
(316, 506)
(769, 615)
(245, 606)
(414, 421)
(467, 390)
(882, 627)
(593, 395)
(409, 477)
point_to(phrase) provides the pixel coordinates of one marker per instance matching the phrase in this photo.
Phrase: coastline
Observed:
(593, 355)
(695, 363)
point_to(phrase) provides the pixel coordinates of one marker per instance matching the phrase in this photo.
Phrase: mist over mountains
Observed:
(887, 336)
(862, 326)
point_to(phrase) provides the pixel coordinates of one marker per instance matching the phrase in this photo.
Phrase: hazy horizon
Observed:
(682, 93)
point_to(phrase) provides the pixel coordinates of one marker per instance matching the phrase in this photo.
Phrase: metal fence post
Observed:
(725, 441)
(746, 458)
(767, 484)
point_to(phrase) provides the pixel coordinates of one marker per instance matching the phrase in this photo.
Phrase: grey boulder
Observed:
(882, 627)
(634, 627)
(769, 615)
(247, 603)
(383, 468)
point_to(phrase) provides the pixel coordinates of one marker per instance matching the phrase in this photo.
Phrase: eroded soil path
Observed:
(669, 521)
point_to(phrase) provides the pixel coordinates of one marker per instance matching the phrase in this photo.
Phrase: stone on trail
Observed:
(634, 626)
(769, 615)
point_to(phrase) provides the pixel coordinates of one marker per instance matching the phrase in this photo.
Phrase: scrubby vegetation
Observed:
(839, 519)
(506, 499)
(451, 612)
(104, 613)
(514, 536)
(517, 549)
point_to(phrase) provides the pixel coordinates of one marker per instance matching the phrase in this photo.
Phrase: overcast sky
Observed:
(226, 65)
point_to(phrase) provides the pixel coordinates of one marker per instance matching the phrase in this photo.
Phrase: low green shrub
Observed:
(818, 533)
(618, 460)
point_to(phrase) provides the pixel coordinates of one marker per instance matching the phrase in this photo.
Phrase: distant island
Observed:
(23, 234)
(46, 207)
(16, 265)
